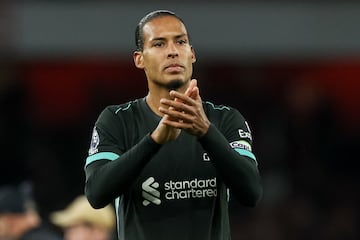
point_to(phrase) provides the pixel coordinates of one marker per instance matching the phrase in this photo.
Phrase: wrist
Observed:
(206, 129)
(155, 137)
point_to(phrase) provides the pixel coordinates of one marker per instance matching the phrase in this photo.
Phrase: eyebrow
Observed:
(163, 38)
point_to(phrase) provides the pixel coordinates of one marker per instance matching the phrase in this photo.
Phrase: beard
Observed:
(172, 85)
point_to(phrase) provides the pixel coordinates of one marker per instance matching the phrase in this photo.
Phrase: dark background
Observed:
(297, 87)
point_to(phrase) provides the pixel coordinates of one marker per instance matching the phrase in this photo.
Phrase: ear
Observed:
(138, 59)
(193, 54)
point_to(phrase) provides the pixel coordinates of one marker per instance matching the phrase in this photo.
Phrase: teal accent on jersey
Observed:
(218, 107)
(123, 109)
(246, 153)
(126, 107)
(102, 155)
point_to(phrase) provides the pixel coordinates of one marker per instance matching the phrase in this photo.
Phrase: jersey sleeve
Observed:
(110, 168)
(104, 144)
(238, 134)
(228, 143)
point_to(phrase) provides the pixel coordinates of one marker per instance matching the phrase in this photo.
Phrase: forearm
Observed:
(238, 172)
(107, 180)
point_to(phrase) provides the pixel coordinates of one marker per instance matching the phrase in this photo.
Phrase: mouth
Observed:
(174, 67)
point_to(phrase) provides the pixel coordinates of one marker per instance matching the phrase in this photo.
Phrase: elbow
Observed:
(252, 202)
(253, 192)
(255, 196)
(95, 200)
(251, 197)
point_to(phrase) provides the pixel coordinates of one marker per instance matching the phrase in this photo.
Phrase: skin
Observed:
(14, 225)
(85, 232)
(167, 59)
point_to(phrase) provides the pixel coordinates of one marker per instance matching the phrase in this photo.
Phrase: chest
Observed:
(180, 174)
(181, 159)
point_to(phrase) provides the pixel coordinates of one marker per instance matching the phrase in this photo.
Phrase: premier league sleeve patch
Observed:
(243, 148)
(94, 142)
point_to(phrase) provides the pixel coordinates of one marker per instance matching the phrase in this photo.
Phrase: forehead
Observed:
(163, 27)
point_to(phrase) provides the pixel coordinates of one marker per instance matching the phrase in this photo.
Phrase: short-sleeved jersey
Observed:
(178, 194)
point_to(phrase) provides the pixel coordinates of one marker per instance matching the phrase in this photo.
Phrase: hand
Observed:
(165, 133)
(186, 111)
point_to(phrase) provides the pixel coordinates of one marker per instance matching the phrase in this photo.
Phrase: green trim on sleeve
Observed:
(246, 153)
(102, 155)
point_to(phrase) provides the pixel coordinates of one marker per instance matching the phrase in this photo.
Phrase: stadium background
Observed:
(291, 67)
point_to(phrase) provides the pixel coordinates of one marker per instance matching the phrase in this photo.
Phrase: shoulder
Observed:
(116, 111)
(226, 118)
(212, 106)
(124, 107)
(221, 110)
(118, 115)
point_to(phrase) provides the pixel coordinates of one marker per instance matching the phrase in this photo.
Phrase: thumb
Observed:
(194, 94)
(190, 89)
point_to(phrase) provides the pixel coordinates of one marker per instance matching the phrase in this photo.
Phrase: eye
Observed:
(182, 41)
(158, 44)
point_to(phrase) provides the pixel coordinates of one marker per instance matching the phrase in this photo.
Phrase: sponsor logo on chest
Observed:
(177, 190)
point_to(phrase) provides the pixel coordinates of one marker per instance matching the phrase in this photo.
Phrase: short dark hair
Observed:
(139, 36)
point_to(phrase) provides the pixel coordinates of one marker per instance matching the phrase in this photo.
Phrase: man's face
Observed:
(167, 56)
(13, 225)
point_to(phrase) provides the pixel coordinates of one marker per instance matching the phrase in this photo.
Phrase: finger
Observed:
(178, 116)
(189, 90)
(178, 124)
(182, 97)
(185, 114)
(193, 83)
(194, 93)
(178, 106)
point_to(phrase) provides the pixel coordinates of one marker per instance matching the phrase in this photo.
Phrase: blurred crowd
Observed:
(20, 220)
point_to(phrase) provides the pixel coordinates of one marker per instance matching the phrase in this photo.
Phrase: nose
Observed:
(172, 51)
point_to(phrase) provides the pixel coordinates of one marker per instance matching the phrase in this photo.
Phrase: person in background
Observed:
(19, 219)
(79, 221)
(169, 160)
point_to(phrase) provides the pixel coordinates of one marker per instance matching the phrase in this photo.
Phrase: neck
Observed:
(156, 93)
(153, 100)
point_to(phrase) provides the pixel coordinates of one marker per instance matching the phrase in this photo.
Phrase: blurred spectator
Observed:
(80, 221)
(19, 219)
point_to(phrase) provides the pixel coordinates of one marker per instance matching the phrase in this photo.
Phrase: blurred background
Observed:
(292, 68)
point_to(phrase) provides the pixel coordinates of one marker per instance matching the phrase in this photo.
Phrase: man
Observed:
(79, 221)
(19, 219)
(169, 158)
